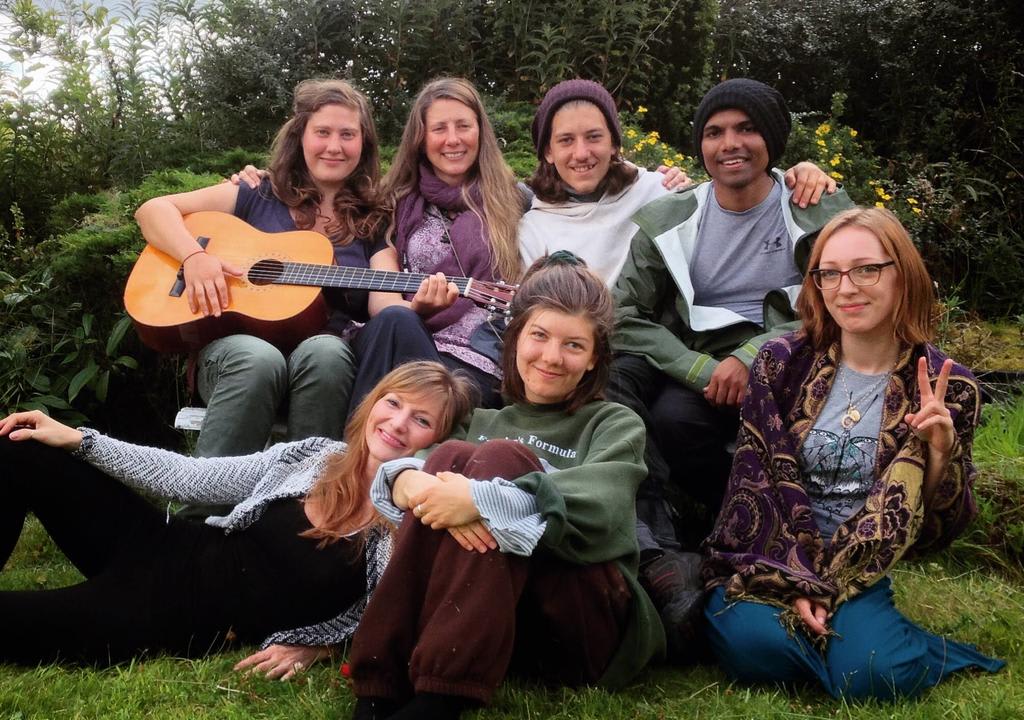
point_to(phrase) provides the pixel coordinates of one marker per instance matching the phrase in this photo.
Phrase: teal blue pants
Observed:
(877, 652)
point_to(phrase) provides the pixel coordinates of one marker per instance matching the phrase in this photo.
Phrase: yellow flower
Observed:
(679, 157)
(641, 110)
(836, 175)
(836, 159)
(872, 183)
(631, 133)
(911, 201)
(821, 143)
(823, 129)
(880, 204)
(879, 191)
(917, 210)
(853, 133)
(668, 162)
(887, 197)
(654, 134)
(664, 147)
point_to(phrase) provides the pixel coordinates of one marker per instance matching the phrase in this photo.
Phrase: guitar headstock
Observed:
(493, 296)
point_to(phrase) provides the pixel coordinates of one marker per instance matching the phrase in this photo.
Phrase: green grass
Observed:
(972, 593)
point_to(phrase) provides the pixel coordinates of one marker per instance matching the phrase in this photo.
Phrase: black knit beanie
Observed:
(764, 105)
(567, 91)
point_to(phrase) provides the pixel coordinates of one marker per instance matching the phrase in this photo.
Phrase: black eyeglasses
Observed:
(862, 275)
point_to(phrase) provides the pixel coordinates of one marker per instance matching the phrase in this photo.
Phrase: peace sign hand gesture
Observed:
(932, 423)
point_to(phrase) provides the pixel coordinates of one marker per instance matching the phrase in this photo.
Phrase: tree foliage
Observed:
(933, 86)
(936, 88)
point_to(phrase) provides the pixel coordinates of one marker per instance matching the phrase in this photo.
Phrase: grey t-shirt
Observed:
(741, 256)
(839, 463)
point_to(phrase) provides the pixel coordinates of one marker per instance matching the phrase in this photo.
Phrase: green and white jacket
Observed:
(655, 316)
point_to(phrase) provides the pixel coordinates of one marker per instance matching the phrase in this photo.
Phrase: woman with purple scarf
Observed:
(456, 213)
(854, 450)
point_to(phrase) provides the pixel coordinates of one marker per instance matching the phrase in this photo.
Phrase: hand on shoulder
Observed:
(808, 182)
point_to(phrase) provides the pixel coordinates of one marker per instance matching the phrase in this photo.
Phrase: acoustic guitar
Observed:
(278, 297)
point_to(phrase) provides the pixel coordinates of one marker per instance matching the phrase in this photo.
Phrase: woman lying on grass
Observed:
(302, 547)
(854, 450)
(537, 571)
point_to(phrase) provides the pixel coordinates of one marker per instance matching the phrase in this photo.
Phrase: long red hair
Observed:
(341, 493)
(914, 311)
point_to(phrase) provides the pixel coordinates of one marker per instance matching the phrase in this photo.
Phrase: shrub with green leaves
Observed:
(66, 345)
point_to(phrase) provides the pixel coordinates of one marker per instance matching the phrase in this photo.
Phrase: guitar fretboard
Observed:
(336, 276)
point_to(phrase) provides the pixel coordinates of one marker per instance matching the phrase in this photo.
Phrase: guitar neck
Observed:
(336, 276)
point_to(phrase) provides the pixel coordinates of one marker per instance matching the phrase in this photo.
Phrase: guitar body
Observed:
(280, 314)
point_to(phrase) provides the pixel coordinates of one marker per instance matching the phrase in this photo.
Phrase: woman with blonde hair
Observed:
(323, 174)
(456, 213)
(854, 451)
(292, 563)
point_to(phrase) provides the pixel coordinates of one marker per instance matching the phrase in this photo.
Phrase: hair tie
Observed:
(564, 257)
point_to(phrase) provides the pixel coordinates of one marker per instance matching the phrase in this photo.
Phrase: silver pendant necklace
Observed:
(853, 414)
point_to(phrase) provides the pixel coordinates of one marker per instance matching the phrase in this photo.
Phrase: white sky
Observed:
(43, 78)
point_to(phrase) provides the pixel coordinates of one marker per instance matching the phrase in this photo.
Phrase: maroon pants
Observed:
(447, 620)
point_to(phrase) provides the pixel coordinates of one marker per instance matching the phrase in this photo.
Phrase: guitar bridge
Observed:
(178, 288)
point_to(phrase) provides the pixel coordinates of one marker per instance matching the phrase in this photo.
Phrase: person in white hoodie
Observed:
(585, 192)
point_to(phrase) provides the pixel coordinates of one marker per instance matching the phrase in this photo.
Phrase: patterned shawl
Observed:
(766, 545)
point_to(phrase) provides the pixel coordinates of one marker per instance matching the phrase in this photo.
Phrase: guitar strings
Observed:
(312, 274)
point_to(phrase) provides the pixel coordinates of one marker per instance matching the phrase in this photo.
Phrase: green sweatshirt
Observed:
(589, 505)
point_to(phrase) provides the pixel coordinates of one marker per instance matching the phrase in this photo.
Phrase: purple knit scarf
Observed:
(467, 232)
(471, 248)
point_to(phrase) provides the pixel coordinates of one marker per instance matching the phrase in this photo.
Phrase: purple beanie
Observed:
(567, 91)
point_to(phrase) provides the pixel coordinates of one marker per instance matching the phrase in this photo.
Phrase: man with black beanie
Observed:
(712, 274)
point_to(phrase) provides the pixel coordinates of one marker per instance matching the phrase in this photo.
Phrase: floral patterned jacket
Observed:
(766, 546)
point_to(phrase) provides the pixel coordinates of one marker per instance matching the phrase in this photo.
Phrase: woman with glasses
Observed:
(854, 450)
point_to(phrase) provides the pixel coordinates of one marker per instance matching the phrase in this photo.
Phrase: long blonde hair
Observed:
(502, 201)
(341, 491)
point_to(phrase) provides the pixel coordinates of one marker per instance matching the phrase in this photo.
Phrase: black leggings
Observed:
(180, 587)
(396, 336)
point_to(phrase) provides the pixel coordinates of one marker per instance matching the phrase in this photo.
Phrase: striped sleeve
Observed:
(509, 513)
(384, 480)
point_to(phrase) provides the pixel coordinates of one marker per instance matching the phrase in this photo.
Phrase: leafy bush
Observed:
(512, 121)
(648, 150)
(50, 353)
(66, 345)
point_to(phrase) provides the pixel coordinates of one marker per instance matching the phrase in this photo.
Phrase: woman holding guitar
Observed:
(302, 546)
(322, 176)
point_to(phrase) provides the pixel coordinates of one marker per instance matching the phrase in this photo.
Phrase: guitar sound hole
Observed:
(265, 272)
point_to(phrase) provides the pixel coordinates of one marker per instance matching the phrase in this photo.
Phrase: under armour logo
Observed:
(772, 245)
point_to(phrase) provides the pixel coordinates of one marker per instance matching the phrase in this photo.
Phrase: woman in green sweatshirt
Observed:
(517, 547)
